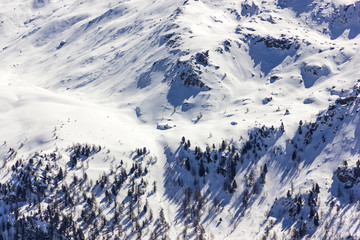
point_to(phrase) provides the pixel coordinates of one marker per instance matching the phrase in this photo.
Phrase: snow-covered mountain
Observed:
(179, 119)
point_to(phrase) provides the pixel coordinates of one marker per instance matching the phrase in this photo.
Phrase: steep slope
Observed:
(88, 82)
(169, 53)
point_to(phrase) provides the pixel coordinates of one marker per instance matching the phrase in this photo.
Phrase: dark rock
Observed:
(202, 58)
(348, 185)
(274, 78)
(267, 100)
(345, 101)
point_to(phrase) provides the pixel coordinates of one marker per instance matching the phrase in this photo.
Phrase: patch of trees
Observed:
(301, 210)
(82, 152)
(41, 199)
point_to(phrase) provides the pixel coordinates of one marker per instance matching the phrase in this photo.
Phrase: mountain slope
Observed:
(249, 82)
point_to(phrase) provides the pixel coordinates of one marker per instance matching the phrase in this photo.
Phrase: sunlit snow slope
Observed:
(236, 78)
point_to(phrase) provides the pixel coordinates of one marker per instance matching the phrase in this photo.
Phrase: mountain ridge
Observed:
(104, 91)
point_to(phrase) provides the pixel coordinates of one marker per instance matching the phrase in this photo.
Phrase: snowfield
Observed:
(173, 119)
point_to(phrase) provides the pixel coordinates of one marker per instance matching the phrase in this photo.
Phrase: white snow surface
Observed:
(109, 73)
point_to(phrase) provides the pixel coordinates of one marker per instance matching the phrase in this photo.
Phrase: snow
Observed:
(112, 74)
